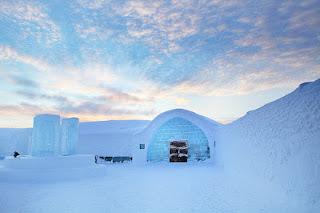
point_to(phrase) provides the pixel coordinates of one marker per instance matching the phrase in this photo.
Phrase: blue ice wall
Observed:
(45, 135)
(178, 129)
(69, 135)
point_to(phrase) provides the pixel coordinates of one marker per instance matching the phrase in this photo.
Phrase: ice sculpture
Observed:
(69, 135)
(45, 135)
(178, 129)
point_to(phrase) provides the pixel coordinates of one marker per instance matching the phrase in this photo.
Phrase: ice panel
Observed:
(45, 135)
(69, 135)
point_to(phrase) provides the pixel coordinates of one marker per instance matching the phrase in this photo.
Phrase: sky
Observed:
(117, 59)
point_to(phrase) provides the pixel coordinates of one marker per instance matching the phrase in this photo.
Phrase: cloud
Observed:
(304, 20)
(32, 19)
(50, 99)
(93, 4)
(8, 53)
(22, 109)
(240, 74)
(119, 96)
(162, 25)
(182, 35)
(93, 33)
(27, 94)
(87, 92)
(24, 82)
(55, 76)
(85, 110)
(102, 109)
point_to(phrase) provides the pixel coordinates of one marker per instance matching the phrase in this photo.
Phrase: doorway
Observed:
(178, 151)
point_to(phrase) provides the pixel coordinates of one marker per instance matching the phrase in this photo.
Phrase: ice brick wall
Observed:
(69, 135)
(45, 135)
(178, 129)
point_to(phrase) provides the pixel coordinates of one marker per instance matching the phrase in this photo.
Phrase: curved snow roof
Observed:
(207, 125)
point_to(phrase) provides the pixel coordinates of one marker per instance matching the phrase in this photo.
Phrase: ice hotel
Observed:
(173, 136)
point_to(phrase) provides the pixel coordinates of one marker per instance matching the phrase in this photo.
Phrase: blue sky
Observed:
(105, 59)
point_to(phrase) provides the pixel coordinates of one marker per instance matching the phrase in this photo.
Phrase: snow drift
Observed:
(278, 143)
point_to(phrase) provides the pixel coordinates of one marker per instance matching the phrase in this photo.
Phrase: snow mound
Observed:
(278, 143)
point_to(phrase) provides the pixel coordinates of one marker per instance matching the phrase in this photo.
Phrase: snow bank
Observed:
(108, 137)
(278, 143)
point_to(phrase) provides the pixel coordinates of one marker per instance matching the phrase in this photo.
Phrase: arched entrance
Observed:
(177, 130)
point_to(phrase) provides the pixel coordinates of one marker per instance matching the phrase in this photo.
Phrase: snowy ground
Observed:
(149, 188)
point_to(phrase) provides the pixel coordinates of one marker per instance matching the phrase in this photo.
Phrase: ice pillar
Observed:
(45, 135)
(69, 135)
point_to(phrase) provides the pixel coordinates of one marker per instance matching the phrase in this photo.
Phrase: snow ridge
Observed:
(278, 142)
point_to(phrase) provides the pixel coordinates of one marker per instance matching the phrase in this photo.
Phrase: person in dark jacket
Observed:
(16, 154)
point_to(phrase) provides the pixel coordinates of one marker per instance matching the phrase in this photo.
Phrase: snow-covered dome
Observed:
(176, 125)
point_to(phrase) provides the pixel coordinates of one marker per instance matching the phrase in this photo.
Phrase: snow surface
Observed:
(278, 143)
(267, 161)
(150, 188)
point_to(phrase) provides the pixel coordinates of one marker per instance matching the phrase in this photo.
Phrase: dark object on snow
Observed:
(120, 159)
(102, 158)
(108, 159)
(16, 154)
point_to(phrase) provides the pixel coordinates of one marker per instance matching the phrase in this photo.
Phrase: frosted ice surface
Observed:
(178, 129)
(69, 135)
(45, 135)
